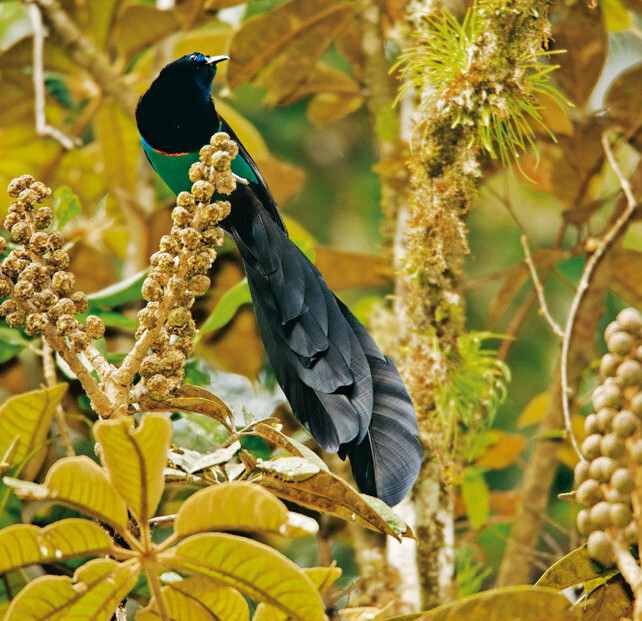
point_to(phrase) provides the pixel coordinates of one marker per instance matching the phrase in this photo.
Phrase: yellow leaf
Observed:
(284, 179)
(198, 599)
(25, 544)
(361, 613)
(534, 410)
(119, 143)
(246, 132)
(326, 108)
(131, 37)
(343, 269)
(321, 578)
(239, 506)
(196, 399)
(503, 452)
(82, 484)
(96, 590)
(616, 17)
(261, 39)
(29, 416)
(525, 603)
(136, 459)
(256, 570)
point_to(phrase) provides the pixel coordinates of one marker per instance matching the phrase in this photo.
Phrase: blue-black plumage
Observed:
(341, 387)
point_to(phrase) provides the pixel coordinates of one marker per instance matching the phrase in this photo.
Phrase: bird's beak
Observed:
(214, 60)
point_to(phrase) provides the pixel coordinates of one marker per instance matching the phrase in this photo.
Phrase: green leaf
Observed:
(126, 290)
(66, 206)
(227, 307)
(111, 319)
(12, 342)
(255, 569)
(474, 489)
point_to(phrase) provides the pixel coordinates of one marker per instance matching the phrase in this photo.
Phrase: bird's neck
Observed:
(176, 120)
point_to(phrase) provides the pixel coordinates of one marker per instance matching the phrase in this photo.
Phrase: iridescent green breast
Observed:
(174, 169)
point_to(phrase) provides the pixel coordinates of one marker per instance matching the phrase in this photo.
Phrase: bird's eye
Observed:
(193, 57)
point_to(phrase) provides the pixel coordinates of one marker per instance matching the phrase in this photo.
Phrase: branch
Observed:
(42, 128)
(49, 371)
(528, 259)
(87, 55)
(600, 248)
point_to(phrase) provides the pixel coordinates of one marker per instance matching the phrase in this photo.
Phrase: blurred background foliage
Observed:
(294, 91)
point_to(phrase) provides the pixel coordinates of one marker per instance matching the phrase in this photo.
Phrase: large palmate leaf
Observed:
(256, 570)
(136, 459)
(263, 38)
(198, 598)
(25, 544)
(239, 506)
(94, 593)
(525, 603)
(29, 416)
(82, 484)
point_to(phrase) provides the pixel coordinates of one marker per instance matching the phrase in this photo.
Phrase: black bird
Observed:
(345, 392)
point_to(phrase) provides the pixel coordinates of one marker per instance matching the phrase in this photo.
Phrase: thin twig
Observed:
(601, 246)
(49, 371)
(42, 128)
(528, 259)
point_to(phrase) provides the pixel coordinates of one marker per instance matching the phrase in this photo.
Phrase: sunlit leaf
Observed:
(261, 39)
(525, 603)
(196, 598)
(246, 132)
(534, 411)
(504, 450)
(253, 568)
(326, 108)
(29, 415)
(474, 489)
(284, 179)
(289, 468)
(344, 269)
(574, 568)
(197, 399)
(612, 601)
(118, 140)
(328, 493)
(131, 38)
(82, 484)
(136, 459)
(97, 588)
(237, 506)
(289, 444)
(321, 578)
(219, 456)
(616, 17)
(25, 544)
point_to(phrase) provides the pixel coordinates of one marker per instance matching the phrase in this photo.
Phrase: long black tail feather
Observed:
(341, 387)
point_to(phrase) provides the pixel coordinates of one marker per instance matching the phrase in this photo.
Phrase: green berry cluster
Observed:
(613, 444)
(179, 268)
(33, 278)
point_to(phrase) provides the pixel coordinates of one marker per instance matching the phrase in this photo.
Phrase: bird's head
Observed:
(177, 114)
(192, 69)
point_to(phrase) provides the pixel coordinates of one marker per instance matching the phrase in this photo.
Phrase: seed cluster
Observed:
(33, 277)
(179, 268)
(613, 445)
